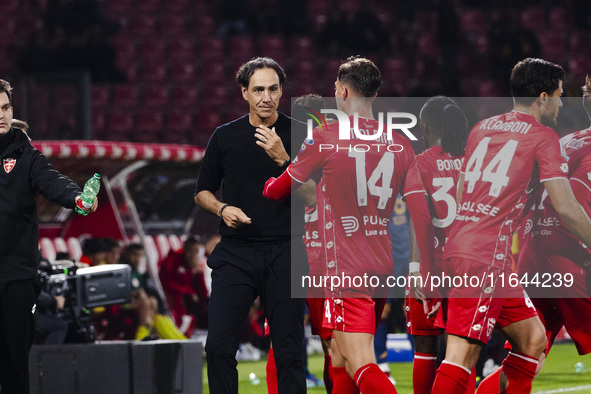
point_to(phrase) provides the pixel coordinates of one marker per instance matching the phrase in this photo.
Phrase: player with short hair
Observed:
(445, 130)
(360, 188)
(549, 249)
(507, 159)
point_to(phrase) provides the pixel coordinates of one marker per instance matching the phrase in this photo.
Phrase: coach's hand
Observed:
(272, 144)
(234, 217)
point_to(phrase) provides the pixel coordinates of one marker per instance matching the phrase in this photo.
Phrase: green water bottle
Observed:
(89, 193)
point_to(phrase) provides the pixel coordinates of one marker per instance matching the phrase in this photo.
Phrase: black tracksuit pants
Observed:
(17, 327)
(240, 274)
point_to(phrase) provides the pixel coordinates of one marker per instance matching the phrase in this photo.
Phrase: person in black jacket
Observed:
(24, 173)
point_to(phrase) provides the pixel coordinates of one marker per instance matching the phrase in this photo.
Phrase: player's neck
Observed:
(256, 120)
(528, 110)
(362, 110)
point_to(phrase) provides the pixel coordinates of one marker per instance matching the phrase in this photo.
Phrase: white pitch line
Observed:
(566, 390)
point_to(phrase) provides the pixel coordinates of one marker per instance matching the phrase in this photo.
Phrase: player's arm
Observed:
(232, 216)
(278, 189)
(571, 212)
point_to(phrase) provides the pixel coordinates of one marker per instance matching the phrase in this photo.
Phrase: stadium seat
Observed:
(154, 72)
(182, 49)
(60, 245)
(214, 96)
(241, 50)
(8, 6)
(273, 47)
(177, 7)
(473, 21)
(98, 123)
(488, 88)
(579, 42)
(151, 250)
(207, 122)
(172, 25)
(211, 51)
(152, 50)
(149, 7)
(427, 46)
(100, 96)
(578, 67)
(202, 24)
(120, 125)
(125, 96)
(184, 96)
(130, 70)
(117, 8)
(304, 71)
(8, 27)
(74, 248)
(553, 46)
(155, 96)
(28, 24)
(533, 18)
(558, 20)
(183, 72)
(149, 124)
(142, 25)
(47, 249)
(126, 49)
(179, 121)
(395, 69)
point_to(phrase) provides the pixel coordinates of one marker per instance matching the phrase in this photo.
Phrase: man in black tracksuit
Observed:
(257, 246)
(24, 172)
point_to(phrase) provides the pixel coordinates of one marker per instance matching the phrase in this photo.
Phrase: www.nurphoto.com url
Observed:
(433, 282)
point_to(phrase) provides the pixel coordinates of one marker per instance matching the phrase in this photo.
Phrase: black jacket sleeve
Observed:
(53, 185)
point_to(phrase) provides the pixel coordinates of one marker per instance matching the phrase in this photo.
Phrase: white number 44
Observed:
(495, 172)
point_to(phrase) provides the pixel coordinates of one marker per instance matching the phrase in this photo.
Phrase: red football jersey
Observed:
(544, 231)
(361, 180)
(507, 157)
(313, 242)
(439, 173)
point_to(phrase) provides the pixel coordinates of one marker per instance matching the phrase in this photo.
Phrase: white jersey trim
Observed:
(293, 177)
(552, 179)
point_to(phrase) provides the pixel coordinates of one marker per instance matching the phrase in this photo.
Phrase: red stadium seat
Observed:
(100, 96)
(184, 96)
(179, 7)
(211, 50)
(155, 96)
(533, 18)
(473, 21)
(488, 88)
(172, 25)
(162, 246)
(553, 46)
(149, 7)
(7, 28)
(214, 96)
(98, 123)
(120, 126)
(202, 24)
(273, 47)
(60, 245)
(153, 49)
(180, 121)
(578, 67)
(149, 122)
(303, 48)
(125, 96)
(7, 7)
(175, 242)
(117, 8)
(395, 69)
(182, 49)
(125, 47)
(207, 122)
(304, 71)
(183, 72)
(28, 24)
(241, 50)
(558, 20)
(143, 25)
(130, 70)
(427, 46)
(579, 42)
(154, 72)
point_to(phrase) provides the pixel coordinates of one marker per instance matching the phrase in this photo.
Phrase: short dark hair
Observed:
(134, 246)
(313, 101)
(247, 69)
(587, 95)
(6, 88)
(361, 74)
(532, 77)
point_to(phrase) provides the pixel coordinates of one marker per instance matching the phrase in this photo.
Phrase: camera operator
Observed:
(48, 324)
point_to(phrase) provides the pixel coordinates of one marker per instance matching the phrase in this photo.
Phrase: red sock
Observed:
(490, 384)
(272, 387)
(370, 379)
(424, 369)
(451, 379)
(328, 374)
(472, 382)
(520, 370)
(342, 382)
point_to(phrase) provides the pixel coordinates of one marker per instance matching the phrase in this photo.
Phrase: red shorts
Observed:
(353, 314)
(316, 313)
(477, 317)
(416, 320)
